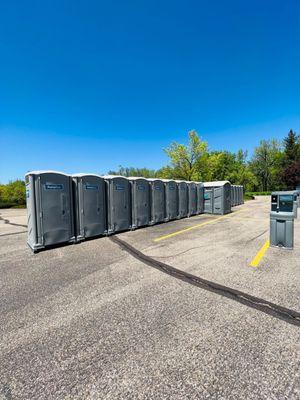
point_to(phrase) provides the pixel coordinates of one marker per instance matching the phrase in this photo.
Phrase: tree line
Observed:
(274, 165)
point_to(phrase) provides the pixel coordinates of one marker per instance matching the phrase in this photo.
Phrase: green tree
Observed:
(291, 147)
(131, 171)
(189, 162)
(266, 164)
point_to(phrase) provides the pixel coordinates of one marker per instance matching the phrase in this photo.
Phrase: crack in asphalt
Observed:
(6, 221)
(275, 310)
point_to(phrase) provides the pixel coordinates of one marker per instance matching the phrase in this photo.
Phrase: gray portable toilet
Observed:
(157, 201)
(200, 197)
(192, 195)
(49, 209)
(221, 196)
(242, 194)
(118, 203)
(232, 196)
(182, 199)
(236, 201)
(171, 199)
(90, 205)
(140, 201)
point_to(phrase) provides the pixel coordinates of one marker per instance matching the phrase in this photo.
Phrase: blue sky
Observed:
(86, 86)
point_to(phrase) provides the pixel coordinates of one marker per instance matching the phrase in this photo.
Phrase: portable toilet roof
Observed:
(81, 174)
(114, 176)
(45, 172)
(215, 183)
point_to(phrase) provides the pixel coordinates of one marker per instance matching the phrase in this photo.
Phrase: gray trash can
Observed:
(90, 205)
(282, 219)
(49, 209)
(140, 202)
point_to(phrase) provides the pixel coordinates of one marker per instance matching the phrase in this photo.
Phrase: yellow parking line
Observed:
(256, 260)
(169, 235)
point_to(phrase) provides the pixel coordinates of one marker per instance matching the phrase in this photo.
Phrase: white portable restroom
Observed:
(171, 199)
(157, 201)
(182, 189)
(140, 202)
(118, 203)
(192, 196)
(90, 205)
(49, 209)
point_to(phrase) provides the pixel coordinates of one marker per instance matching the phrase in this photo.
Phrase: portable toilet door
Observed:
(236, 203)
(157, 201)
(50, 209)
(182, 199)
(118, 203)
(171, 199)
(242, 193)
(208, 200)
(200, 197)
(192, 194)
(90, 205)
(232, 196)
(140, 202)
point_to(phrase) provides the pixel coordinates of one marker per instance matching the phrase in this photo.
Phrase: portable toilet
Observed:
(242, 194)
(157, 201)
(49, 209)
(118, 203)
(140, 202)
(192, 195)
(90, 205)
(221, 196)
(182, 199)
(232, 196)
(236, 202)
(171, 199)
(200, 197)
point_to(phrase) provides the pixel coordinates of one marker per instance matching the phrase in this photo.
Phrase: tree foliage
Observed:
(273, 166)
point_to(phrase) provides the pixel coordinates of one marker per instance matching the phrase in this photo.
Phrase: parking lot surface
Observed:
(90, 321)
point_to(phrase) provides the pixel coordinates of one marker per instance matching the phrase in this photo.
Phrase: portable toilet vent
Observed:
(140, 202)
(90, 205)
(118, 203)
(49, 209)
